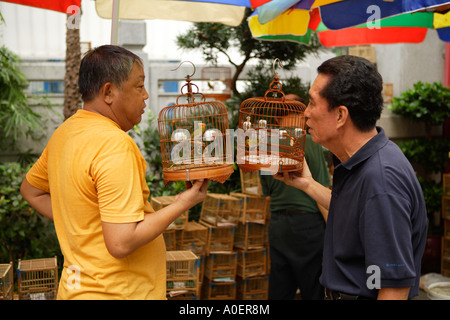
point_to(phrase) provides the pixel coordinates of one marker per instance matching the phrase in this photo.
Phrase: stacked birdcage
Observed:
(37, 279)
(272, 132)
(6, 281)
(182, 274)
(445, 245)
(194, 137)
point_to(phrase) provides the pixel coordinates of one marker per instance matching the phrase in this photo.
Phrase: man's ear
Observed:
(342, 115)
(106, 92)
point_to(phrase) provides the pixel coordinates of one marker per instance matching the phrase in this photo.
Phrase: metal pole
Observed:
(447, 65)
(115, 21)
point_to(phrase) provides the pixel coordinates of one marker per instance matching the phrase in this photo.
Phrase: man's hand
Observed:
(194, 193)
(305, 182)
(299, 180)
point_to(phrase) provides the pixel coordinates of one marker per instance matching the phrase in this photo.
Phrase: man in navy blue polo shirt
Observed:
(377, 224)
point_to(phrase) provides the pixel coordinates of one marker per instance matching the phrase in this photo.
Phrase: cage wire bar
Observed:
(273, 131)
(194, 138)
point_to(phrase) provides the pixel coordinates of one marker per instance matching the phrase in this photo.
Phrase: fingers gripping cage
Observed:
(194, 138)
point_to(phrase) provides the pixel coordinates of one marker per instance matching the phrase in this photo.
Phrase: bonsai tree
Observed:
(215, 39)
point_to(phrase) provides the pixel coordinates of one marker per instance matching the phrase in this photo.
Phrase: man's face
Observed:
(130, 100)
(321, 121)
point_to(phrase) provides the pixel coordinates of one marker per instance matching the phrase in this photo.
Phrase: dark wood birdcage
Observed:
(194, 138)
(272, 132)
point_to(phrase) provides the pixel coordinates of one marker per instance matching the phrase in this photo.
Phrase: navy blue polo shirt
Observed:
(377, 222)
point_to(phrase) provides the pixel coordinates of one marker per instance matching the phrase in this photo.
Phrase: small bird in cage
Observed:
(273, 130)
(193, 138)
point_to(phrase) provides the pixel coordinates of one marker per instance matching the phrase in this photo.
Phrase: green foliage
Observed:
(16, 116)
(215, 39)
(426, 102)
(433, 155)
(432, 192)
(430, 104)
(24, 234)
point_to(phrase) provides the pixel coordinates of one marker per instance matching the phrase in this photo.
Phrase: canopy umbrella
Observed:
(406, 27)
(295, 20)
(55, 5)
(167, 10)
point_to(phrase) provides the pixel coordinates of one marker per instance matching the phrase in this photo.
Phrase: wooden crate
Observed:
(445, 247)
(252, 208)
(250, 183)
(174, 295)
(446, 228)
(254, 288)
(364, 51)
(170, 239)
(212, 290)
(251, 263)
(220, 239)
(38, 279)
(162, 202)
(221, 266)
(193, 237)
(445, 266)
(182, 273)
(220, 210)
(250, 235)
(446, 183)
(6, 281)
(446, 207)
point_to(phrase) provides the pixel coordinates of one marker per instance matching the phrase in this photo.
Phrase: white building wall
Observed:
(38, 34)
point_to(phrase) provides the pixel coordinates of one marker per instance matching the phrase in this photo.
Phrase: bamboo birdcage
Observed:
(272, 132)
(194, 138)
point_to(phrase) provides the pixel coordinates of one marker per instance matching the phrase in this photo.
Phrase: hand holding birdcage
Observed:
(195, 192)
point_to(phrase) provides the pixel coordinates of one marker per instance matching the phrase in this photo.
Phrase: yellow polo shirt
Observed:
(95, 172)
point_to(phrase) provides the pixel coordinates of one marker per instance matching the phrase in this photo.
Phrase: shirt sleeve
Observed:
(386, 235)
(37, 176)
(117, 178)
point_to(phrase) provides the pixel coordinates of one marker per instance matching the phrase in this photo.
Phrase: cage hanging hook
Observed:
(193, 65)
(273, 66)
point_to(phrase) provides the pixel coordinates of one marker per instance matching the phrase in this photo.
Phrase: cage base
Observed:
(249, 167)
(219, 174)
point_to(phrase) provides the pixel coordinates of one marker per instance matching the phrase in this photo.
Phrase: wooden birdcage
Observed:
(272, 132)
(251, 262)
(252, 208)
(250, 235)
(194, 137)
(38, 279)
(213, 290)
(6, 281)
(182, 272)
(221, 266)
(251, 183)
(220, 239)
(220, 209)
(170, 239)
(193, 237)
(254, 288)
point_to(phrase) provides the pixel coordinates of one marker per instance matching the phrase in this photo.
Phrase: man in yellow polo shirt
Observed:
(90, 180)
